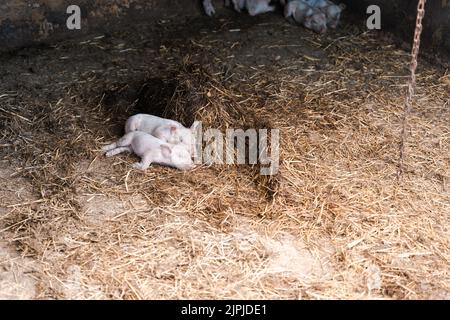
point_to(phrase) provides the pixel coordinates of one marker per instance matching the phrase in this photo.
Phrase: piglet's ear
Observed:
(173, 129)
(166, 151)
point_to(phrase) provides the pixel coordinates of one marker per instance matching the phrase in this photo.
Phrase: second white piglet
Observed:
(151, 150)
(310, 17)
(330, 9)
(254, 7)
(168, 130)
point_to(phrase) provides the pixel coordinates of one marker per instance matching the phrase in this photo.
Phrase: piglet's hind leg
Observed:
(109, 147)
(118, 150)
(125, 141)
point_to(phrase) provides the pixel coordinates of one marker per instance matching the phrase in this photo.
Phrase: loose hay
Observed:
(333, 223)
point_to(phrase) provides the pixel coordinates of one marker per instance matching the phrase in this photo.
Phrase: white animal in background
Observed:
(209, 8)
(254, 7)
(168, 130)
(310, 17)
(332, 11)
(151, 150)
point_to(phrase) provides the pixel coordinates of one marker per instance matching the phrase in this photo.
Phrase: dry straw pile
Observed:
(333, 223)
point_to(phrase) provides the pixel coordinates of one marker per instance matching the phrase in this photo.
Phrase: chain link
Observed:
(412, 83)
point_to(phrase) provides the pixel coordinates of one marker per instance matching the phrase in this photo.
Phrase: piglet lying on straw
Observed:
(331, 10)
(151, 150)
(310, 17)
(254, 7)
(169, 131)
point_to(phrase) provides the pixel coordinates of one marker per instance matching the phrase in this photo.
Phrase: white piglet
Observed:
(254, 7)
(169, 131)
(310, 17)
(151, 150)
(331, 10)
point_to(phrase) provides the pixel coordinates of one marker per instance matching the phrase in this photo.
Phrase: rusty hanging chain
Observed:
(412, 83)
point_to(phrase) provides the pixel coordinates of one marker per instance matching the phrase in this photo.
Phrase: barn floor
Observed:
(334, 222)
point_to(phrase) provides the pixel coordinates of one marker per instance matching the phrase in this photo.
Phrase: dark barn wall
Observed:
(27, 22)
(399, 17)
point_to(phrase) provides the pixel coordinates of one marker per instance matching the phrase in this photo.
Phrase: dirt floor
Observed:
(333, 223)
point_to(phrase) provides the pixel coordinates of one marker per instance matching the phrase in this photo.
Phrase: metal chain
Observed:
(412, 83)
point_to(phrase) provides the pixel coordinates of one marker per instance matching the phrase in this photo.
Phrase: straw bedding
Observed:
(333, 223)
